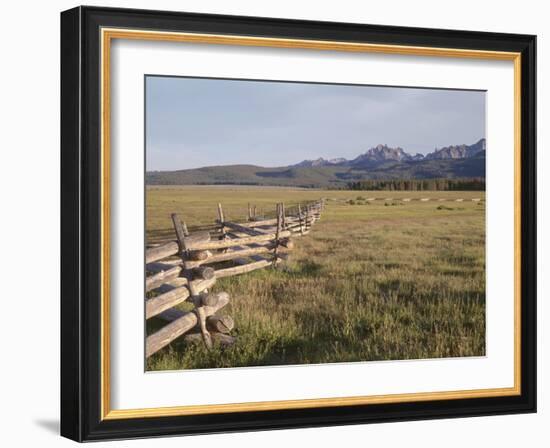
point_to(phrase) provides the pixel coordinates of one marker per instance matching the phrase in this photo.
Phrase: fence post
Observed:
(300, 219)
(277, 233)
(201, 317)
(249, 212)
(188, 274)
(180, 232)
(221, 218)
(180, 235)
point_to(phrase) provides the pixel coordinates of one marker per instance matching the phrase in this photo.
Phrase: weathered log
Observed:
(249, 267)
(158, 304)
(261, 230)
(221, 324)
(222, 244)
(197, 286)
(204, 272)
(235, 234)
(154, 281)
(207, 339)
(180, 232)
(243, 228)
(172, 248)
(180, 235)
(178, 327)
(203, 299)
(301, 225)
(160, 252)
(198, 255)
(163, 265)
(210, 299)
(243, 261)
(231, 255)
(171, 314)
(221, 219)
(183, 236)
(172, 284)
(263, 222)
(280, 224)
(196, 237)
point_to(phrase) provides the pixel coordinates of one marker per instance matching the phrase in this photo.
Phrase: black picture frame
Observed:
(81, 224)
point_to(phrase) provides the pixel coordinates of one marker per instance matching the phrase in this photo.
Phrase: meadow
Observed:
(374, 280)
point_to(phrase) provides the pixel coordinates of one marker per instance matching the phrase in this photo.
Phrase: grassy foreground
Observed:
(374, 280)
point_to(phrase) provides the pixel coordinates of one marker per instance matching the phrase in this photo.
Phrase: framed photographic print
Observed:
(273, 223)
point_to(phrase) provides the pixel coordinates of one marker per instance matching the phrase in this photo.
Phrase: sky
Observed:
(196, 122)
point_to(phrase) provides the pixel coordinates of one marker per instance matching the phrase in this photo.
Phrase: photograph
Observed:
(299, 223)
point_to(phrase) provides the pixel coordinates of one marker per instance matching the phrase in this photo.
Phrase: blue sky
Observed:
(193, 122)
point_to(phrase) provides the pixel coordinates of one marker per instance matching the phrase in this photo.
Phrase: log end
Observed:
(204, 273)
(214, 299)
(222, 324)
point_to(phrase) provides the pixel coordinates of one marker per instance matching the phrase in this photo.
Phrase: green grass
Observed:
(370, 282)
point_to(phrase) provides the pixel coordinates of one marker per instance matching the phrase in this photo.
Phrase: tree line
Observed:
(464, 184)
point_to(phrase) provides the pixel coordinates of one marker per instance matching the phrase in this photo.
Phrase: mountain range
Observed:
(380, 162)
(382, 153)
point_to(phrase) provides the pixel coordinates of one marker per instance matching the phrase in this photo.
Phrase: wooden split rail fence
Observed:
(187, 268)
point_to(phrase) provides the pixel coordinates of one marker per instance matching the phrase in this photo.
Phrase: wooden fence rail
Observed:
(184, 270)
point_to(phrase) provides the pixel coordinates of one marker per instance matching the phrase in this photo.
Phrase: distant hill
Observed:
(380, 162)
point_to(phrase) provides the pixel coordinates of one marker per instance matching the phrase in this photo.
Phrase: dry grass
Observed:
(376, 280)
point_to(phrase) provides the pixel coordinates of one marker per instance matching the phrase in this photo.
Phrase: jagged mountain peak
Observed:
(457, 151)
(320, 162)
(382, 153)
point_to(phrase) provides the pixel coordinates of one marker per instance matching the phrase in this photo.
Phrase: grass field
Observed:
(373, 280)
